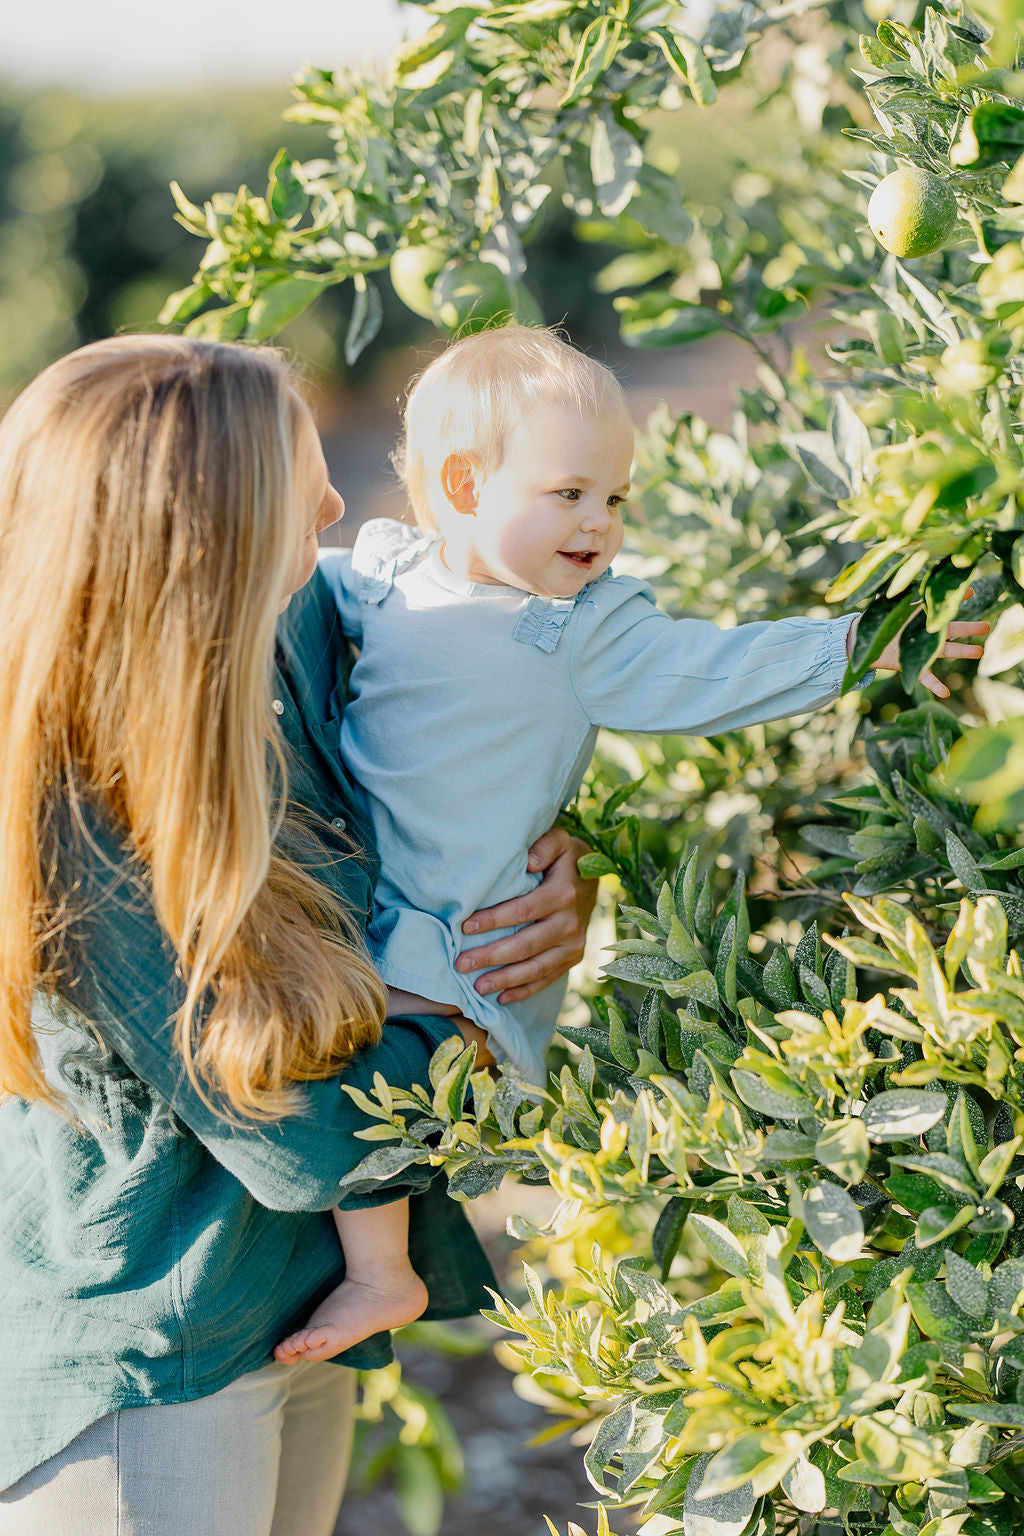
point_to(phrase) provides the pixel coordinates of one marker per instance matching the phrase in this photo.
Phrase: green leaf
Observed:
(223, 324)
(723, 1247)
(286, 196)
(918, 649)
(966, 1286)
(619, 1041)
(936, 1313)
(615, 161)
(938, 1222)
(420, 1493)
(725, 1514)
(902, 1114)
(280, 300)
(685, 891)
(850, 439)
(193, 218)
(699, 985)
(598, 47)
(804, 1486)
(963, 865)
(943, 589)
(184, 303)
(592, 865)
(687, 60)
(1008, 1415)
(682, 948)
(658, 319)
(668, 1233)
(365, 319)
(994, 131)
(779, 981)
(843, 1148)
(379, 1166)
(777, 1101)
(450, 1093)
(833, 1221)
(1006, 1284)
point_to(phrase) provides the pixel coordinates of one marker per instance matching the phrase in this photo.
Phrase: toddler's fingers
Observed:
(972, 651)
(961, 627)
(931, 682)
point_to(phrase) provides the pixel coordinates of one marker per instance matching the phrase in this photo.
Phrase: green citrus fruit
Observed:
(470, 295)
(912, 212)
(412, 271)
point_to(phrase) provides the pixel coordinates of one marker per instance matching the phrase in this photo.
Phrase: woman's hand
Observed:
(554, 918)
(889, 660)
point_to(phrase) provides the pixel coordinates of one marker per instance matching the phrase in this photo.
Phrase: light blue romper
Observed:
(474, 714)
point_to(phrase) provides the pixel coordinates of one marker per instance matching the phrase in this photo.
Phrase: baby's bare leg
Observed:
(380, 1289)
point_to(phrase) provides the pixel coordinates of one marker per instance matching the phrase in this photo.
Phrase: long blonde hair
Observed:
(146, 521)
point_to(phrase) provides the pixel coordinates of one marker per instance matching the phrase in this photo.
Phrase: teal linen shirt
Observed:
(150, 1252)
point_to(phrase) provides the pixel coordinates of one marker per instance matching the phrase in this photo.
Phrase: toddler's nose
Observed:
(596, 520)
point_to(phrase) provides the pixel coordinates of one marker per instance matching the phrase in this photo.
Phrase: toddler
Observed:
(495, 641)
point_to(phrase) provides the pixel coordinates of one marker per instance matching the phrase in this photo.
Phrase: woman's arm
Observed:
(551, 920)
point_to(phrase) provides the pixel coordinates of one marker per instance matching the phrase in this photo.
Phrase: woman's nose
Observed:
(333, 510)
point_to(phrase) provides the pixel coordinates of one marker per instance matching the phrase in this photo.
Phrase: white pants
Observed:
(266, 1456)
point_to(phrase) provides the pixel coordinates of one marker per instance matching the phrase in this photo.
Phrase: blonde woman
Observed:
(184, 879)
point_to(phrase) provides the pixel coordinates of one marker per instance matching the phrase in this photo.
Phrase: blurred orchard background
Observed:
(102, 107)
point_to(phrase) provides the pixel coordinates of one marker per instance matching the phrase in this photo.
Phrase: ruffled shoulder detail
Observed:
(382, 550)
(542, 621)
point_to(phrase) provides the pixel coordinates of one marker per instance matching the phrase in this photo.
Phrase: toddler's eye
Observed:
(570, 493)
(615, 502)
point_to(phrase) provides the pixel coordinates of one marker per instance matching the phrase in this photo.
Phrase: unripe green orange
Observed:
(470, 295)
(912, 212)
(412, 270)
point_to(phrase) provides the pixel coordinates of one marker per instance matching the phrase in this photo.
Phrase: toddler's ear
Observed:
(458, 484)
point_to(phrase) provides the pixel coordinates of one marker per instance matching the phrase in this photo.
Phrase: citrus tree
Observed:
(783, 1287)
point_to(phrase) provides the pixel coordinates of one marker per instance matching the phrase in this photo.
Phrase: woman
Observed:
(184, 879)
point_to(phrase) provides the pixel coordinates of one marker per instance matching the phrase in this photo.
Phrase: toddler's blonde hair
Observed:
(471, 399)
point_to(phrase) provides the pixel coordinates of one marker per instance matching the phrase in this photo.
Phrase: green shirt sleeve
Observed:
(121, 968)
(124, 983)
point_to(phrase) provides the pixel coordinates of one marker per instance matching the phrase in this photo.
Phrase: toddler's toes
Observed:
(290, 1349)
(320, 1343)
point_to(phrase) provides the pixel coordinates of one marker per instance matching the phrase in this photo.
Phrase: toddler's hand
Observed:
(889, 660)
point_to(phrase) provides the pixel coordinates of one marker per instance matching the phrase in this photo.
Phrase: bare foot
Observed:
(355, 1309)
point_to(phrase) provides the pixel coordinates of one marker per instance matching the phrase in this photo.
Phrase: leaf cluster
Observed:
(850, 1169)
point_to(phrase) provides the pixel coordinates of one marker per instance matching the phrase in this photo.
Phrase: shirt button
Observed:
(339, 823)
(278, 706)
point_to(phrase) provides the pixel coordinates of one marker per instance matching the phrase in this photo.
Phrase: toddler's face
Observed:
(549, 520)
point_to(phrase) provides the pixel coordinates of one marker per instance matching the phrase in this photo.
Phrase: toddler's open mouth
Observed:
(580, 557)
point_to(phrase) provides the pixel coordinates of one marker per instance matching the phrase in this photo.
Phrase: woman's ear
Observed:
(458, 484)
